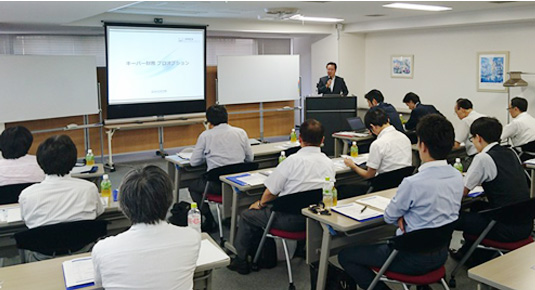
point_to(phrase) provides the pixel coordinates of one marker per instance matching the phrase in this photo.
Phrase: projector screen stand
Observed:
(161, 152)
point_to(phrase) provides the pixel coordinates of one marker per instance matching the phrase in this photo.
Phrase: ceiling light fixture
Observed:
(420, 7)
(315, 19)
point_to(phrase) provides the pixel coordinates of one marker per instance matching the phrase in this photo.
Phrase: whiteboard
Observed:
(43, 87)
(257, 78)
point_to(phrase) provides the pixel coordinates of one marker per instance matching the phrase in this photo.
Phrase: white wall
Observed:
(351, 63)
(445, 65)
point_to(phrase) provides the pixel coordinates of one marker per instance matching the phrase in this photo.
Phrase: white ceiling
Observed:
(38, 14)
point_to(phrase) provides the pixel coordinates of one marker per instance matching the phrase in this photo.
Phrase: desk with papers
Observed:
(341, 140)
(321, 243)
(48, 274)
(182, 173)
(238, 195)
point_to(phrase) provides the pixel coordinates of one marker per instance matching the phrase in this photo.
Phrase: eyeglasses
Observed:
(508, 108)
(471, 139)
(319, 209)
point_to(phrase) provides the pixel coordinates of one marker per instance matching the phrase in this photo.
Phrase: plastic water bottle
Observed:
(328, 198)
(194, 217)
(293, 136)
(458, 165)
(282, 157)
(90, 158)
(105, 188)
(403, 121)
(354, 150)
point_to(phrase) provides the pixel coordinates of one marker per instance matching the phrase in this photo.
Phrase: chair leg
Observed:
(383, 269)
(452, 282)
(263, 240)
(444, 284)
(288, 264)
(220, 221)
(203, 200)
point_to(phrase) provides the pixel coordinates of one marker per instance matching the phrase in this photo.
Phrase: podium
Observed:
(332, 112)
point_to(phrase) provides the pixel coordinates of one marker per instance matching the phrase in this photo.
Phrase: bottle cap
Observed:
(354, 143)
(293, 130)
(283, 153)
(193, 205)
(105, 176)
(89, 151)
(458, 160)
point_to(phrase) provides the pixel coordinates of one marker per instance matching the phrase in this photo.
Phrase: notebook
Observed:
(355, 211)
(78, 273)
(375, 201)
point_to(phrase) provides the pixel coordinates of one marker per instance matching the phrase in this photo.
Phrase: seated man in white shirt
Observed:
(391, 151)
(465, 111)
(59, 198)
(219, 146)
(302, 171)
(18, 166)
(429, 199)
(152, 254)
(521, 130)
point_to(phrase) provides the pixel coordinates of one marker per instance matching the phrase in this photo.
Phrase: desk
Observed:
(182, 173)
(117, 223)
(48, 274)
(237, 198)
(531, 167)
(112, 128)
(349, 232)
(93, 177)
(340, 142)
(513, 271)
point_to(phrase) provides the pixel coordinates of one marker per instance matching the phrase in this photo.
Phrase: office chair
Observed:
(60, 239)
(389, 179)
(420, 241)
(10, 193)
(288, 204)
(511, 214)
(216, 197)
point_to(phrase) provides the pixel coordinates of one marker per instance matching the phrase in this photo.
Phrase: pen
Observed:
(363, 209)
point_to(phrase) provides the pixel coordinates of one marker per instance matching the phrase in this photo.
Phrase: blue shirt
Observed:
(429, 199)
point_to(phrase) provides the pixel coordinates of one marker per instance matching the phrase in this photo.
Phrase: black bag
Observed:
(268, 256)
(337, 279)
(179, 214)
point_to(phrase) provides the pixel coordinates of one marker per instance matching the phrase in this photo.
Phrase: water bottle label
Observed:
(194, 220)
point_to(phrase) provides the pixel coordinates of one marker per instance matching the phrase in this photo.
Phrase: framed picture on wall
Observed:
(492, 68)
(402, 66)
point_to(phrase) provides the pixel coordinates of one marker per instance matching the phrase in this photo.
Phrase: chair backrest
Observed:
(425, 240)
(213, 175)
(390, 179)
(517, 213)
(63, 238)
(10, 193)
(293, 203)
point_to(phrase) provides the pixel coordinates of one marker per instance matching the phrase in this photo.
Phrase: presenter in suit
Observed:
(332, 84)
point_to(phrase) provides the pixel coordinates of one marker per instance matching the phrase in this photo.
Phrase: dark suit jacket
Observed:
(339, 86)
(393, 116)
(417, 113)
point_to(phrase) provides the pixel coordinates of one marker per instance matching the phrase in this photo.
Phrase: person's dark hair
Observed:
(438, 135)
(375, 116)
(490, 129)
(145, 195)
(57, 155)
(411, 97)
(332, 63)
(520, 103)
(217, 114)
(311, 132)
(464, 103)
(15, 142)
(375, 95)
